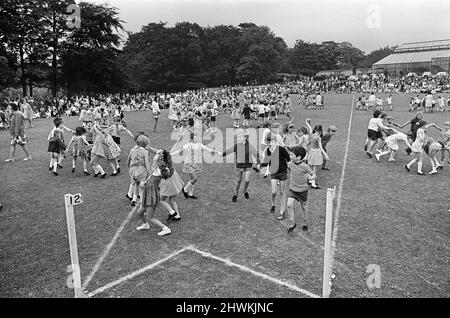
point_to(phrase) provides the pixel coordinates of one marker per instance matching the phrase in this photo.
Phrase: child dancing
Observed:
(79, 147)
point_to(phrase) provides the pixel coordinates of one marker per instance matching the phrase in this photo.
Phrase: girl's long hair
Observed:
(167, 165)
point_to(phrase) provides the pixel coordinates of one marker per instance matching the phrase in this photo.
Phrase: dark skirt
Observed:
(56, 146)
(151, 196)
(116, 140)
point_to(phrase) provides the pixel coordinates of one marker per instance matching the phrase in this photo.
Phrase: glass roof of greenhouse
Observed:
(417, 52)
(424, 46)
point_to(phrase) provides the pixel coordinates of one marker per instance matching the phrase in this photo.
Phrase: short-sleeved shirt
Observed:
(17, 127)
(325, 139)
(278, 159)
(243, 154)
(298, 181)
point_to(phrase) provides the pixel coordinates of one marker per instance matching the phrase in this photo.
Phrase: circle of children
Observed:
(418, 143)
(292, 159)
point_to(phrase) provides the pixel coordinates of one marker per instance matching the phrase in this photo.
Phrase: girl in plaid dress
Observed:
(79, 147)
(151, 195)
(139, 167)
(112, 153)
(193, 156)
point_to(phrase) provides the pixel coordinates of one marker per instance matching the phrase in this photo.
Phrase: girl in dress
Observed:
(115, 129)
(193, 156)
(303, 137)
(139, 167)
(392, 145)
(97, 151)
(418, 144)
(170, 188)
(112, 153)
(56, 145)
(290, 138)
(432, 148)
(78, 147)
(316, 153)
(235, 115)
(173, 117)
(151, 195)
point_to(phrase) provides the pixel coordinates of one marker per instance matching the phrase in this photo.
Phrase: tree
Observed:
(90, 52)
(54, 14)
(376, 55)
(21, 34)
(349, 56)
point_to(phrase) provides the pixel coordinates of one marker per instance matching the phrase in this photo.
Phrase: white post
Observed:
(327, 250)
(73, 246)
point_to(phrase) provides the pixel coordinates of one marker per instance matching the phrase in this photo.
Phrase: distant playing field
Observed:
(387, 217)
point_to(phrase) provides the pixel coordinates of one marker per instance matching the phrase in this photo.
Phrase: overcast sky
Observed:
(368, 25)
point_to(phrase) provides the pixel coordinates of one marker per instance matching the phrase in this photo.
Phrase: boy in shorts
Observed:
(300, 173)
(245, 156)
(277, 158)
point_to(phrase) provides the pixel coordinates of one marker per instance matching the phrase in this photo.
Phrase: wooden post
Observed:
(73, 246)
(327, 249)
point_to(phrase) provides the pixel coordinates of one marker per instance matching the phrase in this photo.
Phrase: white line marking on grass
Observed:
(107, 249)
(253, 272)
(339, 196)
(138, 272)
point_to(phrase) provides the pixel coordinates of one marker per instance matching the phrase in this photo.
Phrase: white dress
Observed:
(417, 145)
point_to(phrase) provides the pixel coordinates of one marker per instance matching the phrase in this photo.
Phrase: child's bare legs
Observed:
(25, 149)
(189, 188)
(164, 229)
(283, 184)
(85, 165)
(391, 157)
(290, 209)
(55, 163)
(418, 157)
(305, 213)
(238, 184)
(12, 151)
(171, 207)
(246, 181)
(383, 153)
(313, 182)
(274, 190)
(112, 164)
(174, 205)
(96, 166)
(433, 165)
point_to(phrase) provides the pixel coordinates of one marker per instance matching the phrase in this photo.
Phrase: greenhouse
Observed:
(417, 57)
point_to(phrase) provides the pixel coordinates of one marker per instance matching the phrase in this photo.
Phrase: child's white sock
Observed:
(130, 190)
(419, 167)
(55, 165)
(84, 165)
(313, 183)
(191, 190)
(100, 169)
(187, 187)
(383, 153)
(437, 163)
(411, 163)
(51, 163)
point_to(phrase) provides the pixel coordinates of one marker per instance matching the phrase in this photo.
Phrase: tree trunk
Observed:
(22, 71)
(54, 66)
(30, 85)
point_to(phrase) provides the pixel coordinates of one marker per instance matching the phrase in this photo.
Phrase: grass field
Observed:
(388, 217)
